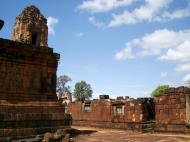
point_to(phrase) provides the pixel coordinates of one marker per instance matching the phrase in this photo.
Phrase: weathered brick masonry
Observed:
(28, 102)
(31, 27)
(129, 114)
(169, 112)
(172, 110)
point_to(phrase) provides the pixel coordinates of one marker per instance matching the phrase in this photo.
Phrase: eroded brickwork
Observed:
(172, 110)
(129, 114)
(31, 27)
(169, 112)
(28, 101)
(100, 111)
(26, 72)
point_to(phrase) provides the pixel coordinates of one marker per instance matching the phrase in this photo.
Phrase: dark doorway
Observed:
(35, 39)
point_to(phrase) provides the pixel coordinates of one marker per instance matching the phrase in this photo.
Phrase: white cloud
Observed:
(151, 10)
(96, 23)
(183, 68)
(177, 14)
(147, 12)
(51, 21)
(96, 6)
(164, 44)
(125, 54)
(180, 53)
(186, 79)
(163, 74)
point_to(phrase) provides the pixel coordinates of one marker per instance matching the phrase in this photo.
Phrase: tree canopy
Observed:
(159, 89)
(61, 88)
(82, 91)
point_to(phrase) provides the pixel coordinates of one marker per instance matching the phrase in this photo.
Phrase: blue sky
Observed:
(120, 47)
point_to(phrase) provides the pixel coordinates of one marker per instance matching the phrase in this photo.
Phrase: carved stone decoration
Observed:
(1, 24)
(31, 27)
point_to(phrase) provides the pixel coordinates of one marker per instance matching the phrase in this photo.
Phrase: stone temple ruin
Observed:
(169, 112)
(172, 109)
(31, 27)
(28, 101)
(123, 113)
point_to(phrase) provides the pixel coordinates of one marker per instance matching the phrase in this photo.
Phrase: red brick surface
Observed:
(28, 102)
(170, 110)
(28, 22)
(27, 73)
(169, 114)
(102, 114)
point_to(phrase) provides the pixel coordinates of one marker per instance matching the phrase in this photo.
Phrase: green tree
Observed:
(61, 88)
(159, 89)
(82, 91)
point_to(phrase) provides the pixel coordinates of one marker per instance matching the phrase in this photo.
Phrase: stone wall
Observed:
(28, 101)
(172, 110)
(169, 112)
(136, 113)
(135, 110)
(31, 118)
(100, 111)
(26, 72)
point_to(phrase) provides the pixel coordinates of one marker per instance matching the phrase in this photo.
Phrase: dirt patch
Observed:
(112, 135)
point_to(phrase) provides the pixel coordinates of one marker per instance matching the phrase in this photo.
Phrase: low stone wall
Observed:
(133, 114)
(169, 112)
(100, 111)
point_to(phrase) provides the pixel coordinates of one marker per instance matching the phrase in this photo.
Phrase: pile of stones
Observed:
(60, 135)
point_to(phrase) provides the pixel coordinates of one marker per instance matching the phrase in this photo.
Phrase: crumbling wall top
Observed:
(31, 14)
(102, 97)
(172, 91)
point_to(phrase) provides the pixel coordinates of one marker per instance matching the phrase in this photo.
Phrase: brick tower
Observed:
(31, 27)
(28, 101)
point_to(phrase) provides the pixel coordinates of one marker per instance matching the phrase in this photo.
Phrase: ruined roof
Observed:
(31, 13)
(172, 90)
